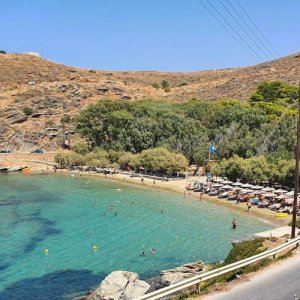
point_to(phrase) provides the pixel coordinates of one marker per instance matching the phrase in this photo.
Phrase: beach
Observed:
(42, 163)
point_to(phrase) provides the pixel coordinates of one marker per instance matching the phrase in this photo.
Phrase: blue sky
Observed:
(166, 35)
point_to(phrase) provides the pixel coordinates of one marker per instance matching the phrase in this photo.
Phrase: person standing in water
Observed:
(249, 204)
(234, 224)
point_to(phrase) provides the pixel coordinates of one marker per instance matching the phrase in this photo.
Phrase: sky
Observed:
(162, 35)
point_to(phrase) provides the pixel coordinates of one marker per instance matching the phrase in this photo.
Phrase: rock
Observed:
(36, 115)
(186, 271)
(125, 97)
(19, 119)
(15, 169)
(51, 129)
(4, 170)
(102, 90)
(63, 88)
(135, 289)
(120, 285)
(31, 82)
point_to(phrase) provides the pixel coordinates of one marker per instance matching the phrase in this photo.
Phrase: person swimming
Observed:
(152, 251)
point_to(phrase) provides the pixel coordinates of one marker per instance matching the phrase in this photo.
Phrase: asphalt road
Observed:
(278, 282)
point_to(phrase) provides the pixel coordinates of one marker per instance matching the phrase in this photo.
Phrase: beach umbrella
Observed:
(267, 189)
(257, 187)
(237, 188)
(280, 191)
(218, 180)
(237, 184)
(216, 185)
(226, 187)
(226, 182)
(291, 193)
(244, 186)
(247, 185)
(245, 191)
(269, 195)
(281, 197)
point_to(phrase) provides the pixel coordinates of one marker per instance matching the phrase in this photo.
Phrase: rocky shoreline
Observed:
(123, 285)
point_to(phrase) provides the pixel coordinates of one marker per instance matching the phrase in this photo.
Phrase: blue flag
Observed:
(212, 149)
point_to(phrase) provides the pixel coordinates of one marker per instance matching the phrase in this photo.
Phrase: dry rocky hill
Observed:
(52, 90)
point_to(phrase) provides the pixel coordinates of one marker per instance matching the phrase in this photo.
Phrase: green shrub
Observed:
(238, 252)
(81, 149)
(2, 52)
(244, 250)
(164, 84)
(27, 111)
(65, 119)
(297, 223)
(49, 123)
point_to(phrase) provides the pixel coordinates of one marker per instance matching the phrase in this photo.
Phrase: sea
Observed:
(60, 235)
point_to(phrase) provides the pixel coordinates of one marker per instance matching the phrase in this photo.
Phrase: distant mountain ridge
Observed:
(51, 90)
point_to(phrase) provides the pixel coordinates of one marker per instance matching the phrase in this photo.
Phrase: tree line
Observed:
(157, 161)
(264, 125)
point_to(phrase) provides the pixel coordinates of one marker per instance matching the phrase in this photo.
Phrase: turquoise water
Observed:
(65, 215)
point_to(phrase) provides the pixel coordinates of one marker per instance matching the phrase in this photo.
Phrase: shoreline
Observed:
(173, 186)
(178, 187)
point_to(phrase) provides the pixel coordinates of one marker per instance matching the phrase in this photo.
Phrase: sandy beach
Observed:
(38, 163)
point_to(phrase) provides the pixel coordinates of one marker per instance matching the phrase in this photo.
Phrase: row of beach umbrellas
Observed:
(248, 188)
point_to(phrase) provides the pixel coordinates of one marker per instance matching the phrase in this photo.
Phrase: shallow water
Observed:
(68, 215)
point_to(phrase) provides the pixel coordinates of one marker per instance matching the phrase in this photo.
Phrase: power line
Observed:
(244, 30)
(234, 30)
(228, 31)
(270, 51)
(256, 27)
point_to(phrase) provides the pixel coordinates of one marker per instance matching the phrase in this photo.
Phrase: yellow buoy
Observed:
(46, 251)
(95, 248)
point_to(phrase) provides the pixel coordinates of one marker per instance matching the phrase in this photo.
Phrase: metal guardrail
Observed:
(196, 280)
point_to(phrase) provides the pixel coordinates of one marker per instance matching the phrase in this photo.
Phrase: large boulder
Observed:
(181, 273)
(120, 285)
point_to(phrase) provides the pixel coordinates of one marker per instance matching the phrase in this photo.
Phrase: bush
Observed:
(238, 252)
(65, 119)
(69, 159)
(297, 223)
(155, 85)
(81, 149)
(27, 111)
(49, 123)
(2, 52)
(165, 84)
(244, 250)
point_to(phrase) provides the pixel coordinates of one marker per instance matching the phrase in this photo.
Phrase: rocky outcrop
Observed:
(120, 285)
(181, 273)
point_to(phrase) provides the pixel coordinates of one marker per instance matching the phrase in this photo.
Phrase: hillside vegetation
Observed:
(36, 93)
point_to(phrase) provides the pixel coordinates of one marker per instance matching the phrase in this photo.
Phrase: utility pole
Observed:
(296, 171)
